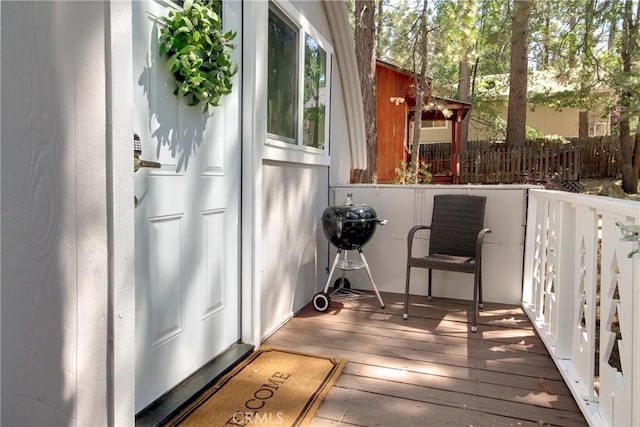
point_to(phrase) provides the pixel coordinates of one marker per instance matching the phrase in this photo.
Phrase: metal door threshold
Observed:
(164, 408)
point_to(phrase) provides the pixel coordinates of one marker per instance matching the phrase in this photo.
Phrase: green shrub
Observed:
(409, 174)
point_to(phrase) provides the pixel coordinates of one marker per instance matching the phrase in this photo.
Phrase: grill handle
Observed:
(382, 221)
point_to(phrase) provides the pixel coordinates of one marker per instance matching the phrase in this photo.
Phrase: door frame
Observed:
(121, 232)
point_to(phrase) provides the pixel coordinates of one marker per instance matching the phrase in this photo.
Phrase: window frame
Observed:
(281, 148)
(446, 125)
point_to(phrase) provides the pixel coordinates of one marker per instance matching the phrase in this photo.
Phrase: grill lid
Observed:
(349, 226)
(353, 213)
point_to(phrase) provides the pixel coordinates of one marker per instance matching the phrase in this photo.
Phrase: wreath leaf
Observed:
(198, 52)
(172, 63)
(188, 23)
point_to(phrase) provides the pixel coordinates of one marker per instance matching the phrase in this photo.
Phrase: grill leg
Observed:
(364, 260)
(342, 271)
(333, 268)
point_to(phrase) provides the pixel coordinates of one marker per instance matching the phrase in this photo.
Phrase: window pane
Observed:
(434, 124)
(282, 81)
(315, 93)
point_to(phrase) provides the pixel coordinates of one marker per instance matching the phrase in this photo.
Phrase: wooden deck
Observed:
(430, 370)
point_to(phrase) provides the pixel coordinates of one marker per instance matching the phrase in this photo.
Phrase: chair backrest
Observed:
(457, 220)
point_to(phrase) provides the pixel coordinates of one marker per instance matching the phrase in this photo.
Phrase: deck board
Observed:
(429, 369)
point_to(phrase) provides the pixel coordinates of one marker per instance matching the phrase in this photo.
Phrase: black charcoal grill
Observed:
(348, 227)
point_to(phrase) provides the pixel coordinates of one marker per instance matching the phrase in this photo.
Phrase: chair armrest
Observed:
(479, 242)
(412, 232)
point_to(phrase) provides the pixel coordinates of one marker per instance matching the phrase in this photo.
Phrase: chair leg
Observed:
(476, 291)
(405, 316)
(480, 300)
(429, 286)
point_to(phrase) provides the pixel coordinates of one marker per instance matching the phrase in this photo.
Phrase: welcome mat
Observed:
(273, 386)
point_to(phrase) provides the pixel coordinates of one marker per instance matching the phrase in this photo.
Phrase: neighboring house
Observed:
(106, 304)
(546, 119)
(395, 111)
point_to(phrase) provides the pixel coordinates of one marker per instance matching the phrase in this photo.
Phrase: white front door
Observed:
(187, 217)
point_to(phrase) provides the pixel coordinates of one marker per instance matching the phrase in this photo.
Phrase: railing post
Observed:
(551, 265)
(532, 221)
(542, 244)
(635, 392)
(635, 324)
(617, 289)
(565, 268)
(584, 313)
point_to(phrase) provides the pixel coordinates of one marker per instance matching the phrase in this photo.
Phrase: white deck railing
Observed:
(582, 283)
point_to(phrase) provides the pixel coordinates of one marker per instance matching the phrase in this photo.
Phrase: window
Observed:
(298, 89)
(434, 124)
(282, 78)
(315, 93)
(598, 129)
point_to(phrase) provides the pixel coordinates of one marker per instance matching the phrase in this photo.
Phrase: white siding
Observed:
(62, 215)
(295, 255)
(546, 120)
(54, 214)
(292, 249)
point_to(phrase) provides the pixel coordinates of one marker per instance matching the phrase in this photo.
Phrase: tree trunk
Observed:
(420, 85)
(583, 124)
(586, 76)
(546, 40)
(629, 158)
(636, 157)
(629, 177)
(469, 13)
(379, 23)
(365, 37)
(517, 111)
(464, 94)
(627, 141)
(613, 32)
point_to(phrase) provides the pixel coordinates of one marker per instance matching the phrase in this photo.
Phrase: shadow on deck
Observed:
(430, 370)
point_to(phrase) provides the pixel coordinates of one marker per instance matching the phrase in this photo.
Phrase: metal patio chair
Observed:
(456, 235)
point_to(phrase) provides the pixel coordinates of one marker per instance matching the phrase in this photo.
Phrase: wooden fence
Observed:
(507, 165)
(438, 155)
(600, 156)
(537, 161)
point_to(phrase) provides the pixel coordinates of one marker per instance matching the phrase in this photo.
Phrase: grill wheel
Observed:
(321, 301)
(345, 283)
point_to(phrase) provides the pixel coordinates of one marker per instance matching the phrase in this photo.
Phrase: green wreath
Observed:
(199, 53)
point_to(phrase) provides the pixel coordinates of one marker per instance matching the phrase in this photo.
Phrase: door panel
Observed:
(187, 217)
(213, 225)
(166, 279)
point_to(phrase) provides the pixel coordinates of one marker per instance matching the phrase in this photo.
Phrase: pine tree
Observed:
(365, 41)
(517, 113)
